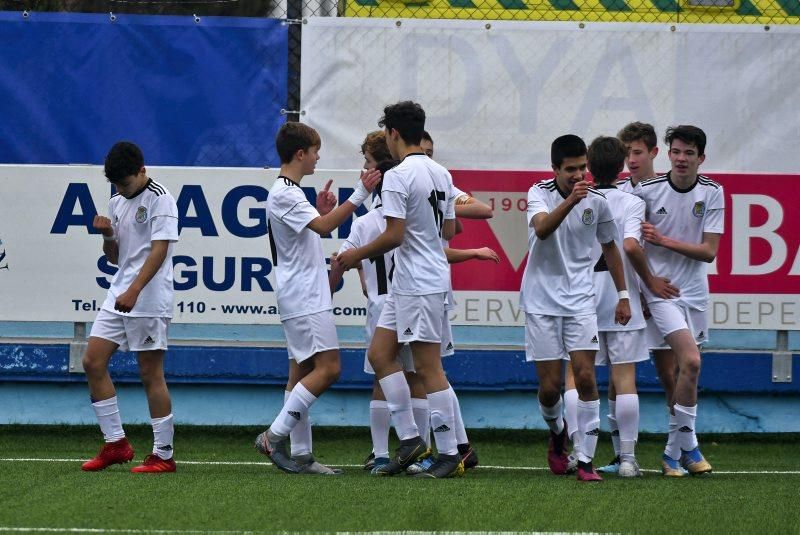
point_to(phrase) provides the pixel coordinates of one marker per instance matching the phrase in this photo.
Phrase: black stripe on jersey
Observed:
(272, 248)
(592, 190)
(288, 181)
(156, 186)
(704, 180)
(115, 195)
(158, 191)
(656, 180)
(549, 184)
(623, 180)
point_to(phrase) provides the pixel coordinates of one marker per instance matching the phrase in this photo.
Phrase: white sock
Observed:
(422, 417)
(571, 417)
(379, 423)
(552, 416)
(398, 398)
(300, 400)
(686, 417)
(613, 425)
(443, 422)
(461, 431)
(589, 424)
(672, 449)
(163, 432)
(628, 418)
(300, 437)
(108, 417)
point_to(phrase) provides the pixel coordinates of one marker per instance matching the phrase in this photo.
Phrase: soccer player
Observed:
(419, 209)
(565, 218)
(621, 346)
(641, 143)
(304, 298)
(138, 236)
(685, 220)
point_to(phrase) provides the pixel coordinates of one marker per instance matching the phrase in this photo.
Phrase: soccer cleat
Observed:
(277, 452)
(557, 452)
(445, 466)
(309, 465)
(694, 462)
(369, 462)
(153, 464)
(572, 463)
(419, 466)
(587, 473)
(410, 451)
(612, 467)
(379, 462)
(111, 453)
(671, 467)
(629, 468)
(468, 456)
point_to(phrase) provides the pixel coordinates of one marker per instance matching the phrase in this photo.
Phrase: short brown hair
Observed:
(293, 137)
(639, 132)
(606, 159)
(375, 144)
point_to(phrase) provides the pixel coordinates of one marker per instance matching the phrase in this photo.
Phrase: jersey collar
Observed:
(415, 154)
(563, 194)
(140, 191)
(681, 190)
(608, 186)
(289, 179)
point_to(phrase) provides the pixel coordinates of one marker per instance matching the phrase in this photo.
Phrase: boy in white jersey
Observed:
(565, 218)
(419, 211)
(138, 236)
(685, 220)
(304, 299)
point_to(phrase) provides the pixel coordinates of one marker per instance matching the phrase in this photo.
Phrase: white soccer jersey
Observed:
(419, 191)
(379, 271)
(683, 215)
(628, 212)
(300, 269)
(625, 184)
(558, 275)
(149, 215)
(450, 304)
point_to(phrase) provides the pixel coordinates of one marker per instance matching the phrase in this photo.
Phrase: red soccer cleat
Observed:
(557, 452)
(153, 464)
(589, 474)
(111, 453)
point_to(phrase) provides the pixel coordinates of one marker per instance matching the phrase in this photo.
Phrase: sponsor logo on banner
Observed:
(3, 261)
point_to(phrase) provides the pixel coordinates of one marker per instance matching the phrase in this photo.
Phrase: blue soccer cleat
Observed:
(610, 468)
(694, 462)
(420, 466)
(671, 467)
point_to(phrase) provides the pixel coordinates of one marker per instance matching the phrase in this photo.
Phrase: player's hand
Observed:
(126, 301)
(485, 253)
(661, 287)
(103, 224)
(579, 192)
(325, 199)
(370, 179)
(348, 259)
(651, 234)
(622, 314)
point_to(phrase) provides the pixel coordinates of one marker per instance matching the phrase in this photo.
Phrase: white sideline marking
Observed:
(264, 463)
(101, 530)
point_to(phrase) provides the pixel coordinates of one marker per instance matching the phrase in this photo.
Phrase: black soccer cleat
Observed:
(444, 467)
(410, 451)
(369, 462)
(278, 453)
(468, 455)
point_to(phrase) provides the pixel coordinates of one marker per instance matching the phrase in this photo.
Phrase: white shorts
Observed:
(415, 318)
(622, 347)
(668, 317)
(554, 337)
(131, 333)
(308, 335)
(448, 349)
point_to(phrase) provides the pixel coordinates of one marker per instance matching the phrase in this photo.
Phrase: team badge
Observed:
(141, 214)
(587, 217)
(699, 209)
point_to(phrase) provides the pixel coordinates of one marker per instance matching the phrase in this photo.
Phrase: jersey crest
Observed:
(699, 209)
(141, 214)
(587, 217)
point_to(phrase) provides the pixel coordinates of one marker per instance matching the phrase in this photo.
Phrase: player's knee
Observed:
(92, 367)
(691, 366)
(585, 380)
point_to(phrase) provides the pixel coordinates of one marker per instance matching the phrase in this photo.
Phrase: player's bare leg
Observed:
(552, 407)
(151, 370)
(588, 412)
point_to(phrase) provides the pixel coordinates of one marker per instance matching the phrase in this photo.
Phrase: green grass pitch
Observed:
(510, 492)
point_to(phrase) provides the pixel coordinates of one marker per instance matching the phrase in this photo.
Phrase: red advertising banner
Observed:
(755, 280)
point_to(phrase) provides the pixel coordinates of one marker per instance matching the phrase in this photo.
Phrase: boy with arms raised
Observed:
(138, 236)
(685, 220)
(304, 298)
(565, 218)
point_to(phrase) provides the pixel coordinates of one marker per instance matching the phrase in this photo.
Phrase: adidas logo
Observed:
(441, 429)
(149, 340)
(450, 345)
(685, 429)
(701, 334)
(593, 433)
(168, 447)
(294, 414)
(662, 211)
(408, 332)
(594, 339)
